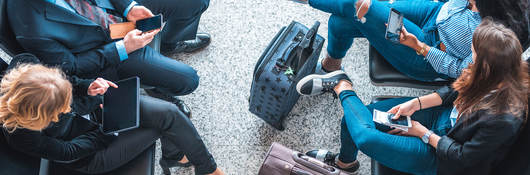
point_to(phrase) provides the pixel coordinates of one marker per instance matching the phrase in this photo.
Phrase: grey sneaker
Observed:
(316, 84)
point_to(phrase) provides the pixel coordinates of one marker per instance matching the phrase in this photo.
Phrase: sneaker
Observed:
(330, 158)
(315, 84)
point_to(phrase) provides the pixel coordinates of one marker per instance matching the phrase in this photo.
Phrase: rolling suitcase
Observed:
(281, 160)
(291, 55)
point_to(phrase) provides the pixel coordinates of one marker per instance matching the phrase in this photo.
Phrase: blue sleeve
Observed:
(446, 64)
(131, 5)
(122, 52)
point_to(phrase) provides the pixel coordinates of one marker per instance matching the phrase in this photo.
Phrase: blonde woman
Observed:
(41, 115)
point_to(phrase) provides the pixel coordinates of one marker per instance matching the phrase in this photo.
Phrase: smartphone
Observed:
(149, 24)
(394, 26)
(402, 120)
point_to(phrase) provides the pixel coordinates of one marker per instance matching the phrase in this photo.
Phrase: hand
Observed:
(409, 39)
(135, 39)
(417, 130)
(139, 12)
(407, 109)
(100, 86)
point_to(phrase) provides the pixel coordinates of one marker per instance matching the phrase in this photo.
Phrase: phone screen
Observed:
(149, 24)
(395, 23)
(402, 120)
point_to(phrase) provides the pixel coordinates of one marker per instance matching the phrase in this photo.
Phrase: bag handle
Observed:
(302, 49)
(314, 164)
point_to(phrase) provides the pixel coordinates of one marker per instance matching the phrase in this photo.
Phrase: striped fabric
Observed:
(94, 13)
(456, 24)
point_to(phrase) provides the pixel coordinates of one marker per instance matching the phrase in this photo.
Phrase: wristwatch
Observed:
(425, 137)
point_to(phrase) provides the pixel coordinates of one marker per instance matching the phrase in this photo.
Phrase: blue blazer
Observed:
(60, 37)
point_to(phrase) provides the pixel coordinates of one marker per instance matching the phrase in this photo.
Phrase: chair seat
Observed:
(383, 73)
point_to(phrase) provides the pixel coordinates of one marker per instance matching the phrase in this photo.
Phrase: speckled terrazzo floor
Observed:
(237, 139)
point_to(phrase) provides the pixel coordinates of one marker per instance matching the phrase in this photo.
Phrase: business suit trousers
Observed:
(158, 119)
(182, 17)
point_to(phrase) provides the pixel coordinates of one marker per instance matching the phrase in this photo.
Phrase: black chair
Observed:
(14, 162)
(383, 73)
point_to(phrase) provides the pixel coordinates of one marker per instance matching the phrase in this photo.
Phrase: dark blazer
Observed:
(478, 144)
(61, 37)
(72, 139)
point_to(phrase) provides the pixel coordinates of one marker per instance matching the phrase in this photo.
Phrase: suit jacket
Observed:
(478, 142)
(73, 139)
(61, 37)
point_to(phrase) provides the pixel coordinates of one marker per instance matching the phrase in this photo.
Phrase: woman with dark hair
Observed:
(514, 14)
(464, 130)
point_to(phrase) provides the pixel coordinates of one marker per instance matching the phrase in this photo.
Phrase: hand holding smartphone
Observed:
(148, 24)
(394, 26)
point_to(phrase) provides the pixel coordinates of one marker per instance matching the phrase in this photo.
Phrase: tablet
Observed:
(121, 106)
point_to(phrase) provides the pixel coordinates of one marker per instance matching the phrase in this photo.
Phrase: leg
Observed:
(407, 154)
(400, 56)
(154, 69)
(125, 148)
(182, 17)
(179, 131)
(427, 117)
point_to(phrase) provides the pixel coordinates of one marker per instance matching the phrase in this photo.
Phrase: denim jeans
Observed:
(419, 19)
(403, 153)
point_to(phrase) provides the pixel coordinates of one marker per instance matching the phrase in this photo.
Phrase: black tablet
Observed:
(121, 106)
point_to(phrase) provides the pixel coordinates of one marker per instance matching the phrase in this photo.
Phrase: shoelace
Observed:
(328, 87)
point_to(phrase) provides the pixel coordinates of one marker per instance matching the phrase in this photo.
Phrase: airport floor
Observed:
(238, 139)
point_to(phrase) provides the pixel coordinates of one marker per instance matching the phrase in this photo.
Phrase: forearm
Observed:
(429, 101)
(433, 140)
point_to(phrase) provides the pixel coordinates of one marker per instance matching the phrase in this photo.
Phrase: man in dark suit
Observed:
(75, 35)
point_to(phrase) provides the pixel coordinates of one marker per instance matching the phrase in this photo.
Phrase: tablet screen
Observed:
(121, 106)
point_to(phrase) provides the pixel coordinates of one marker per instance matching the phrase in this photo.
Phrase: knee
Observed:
(194, 7)
(190, 81)
(337, 25)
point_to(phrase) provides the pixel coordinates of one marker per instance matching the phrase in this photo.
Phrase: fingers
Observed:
(395, 131)
(398, 114)
(111, 84)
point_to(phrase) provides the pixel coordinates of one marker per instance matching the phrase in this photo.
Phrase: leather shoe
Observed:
(201, 41)
(173, 99)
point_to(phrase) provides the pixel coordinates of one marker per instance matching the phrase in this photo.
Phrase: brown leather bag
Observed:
(284, 161)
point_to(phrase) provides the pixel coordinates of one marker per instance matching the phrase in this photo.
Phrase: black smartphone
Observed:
(394, 25)
(149, 24)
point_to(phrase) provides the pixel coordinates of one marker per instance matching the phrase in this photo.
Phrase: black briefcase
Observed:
(291, 55)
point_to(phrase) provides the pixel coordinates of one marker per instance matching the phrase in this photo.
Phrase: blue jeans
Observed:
(403, 153)
(419, 19)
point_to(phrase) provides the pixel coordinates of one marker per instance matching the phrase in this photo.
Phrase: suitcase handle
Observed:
(314, 164)
(281, 35)
(302, 49)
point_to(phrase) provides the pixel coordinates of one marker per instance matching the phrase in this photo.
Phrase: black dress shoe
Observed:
(173, 99)
(330, 158)
(166, 163)
(201, 41)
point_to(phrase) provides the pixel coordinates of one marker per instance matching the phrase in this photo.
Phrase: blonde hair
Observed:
(32, 96)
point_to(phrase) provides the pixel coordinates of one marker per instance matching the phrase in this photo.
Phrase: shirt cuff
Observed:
(122, 52)
(435, 57)
(131, 5)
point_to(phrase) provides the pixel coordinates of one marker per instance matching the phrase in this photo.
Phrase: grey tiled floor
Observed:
(237, 139)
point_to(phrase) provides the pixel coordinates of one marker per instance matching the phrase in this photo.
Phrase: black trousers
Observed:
(154, 69)
(158, 119)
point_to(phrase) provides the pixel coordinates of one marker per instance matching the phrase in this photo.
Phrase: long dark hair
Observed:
(514, 14)
(498, 79)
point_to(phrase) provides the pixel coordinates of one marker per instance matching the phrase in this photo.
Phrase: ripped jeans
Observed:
(419, 19)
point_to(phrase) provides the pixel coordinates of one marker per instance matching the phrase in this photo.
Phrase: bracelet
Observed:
(422, 50)
(419, 101)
